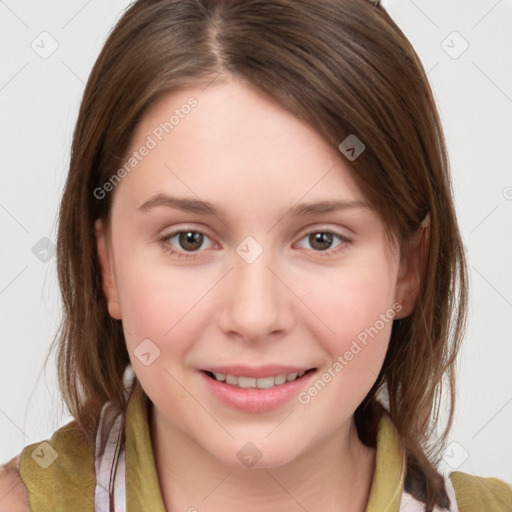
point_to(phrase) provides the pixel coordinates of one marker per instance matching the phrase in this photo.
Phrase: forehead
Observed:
(230, 142)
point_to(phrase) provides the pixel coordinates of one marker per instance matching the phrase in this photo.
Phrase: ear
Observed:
(410, 271)
(107, 274)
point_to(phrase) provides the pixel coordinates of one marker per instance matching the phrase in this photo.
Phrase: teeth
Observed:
(264, 383)
(253, 382)
(231, 379)
(280, 379)
(246, 382)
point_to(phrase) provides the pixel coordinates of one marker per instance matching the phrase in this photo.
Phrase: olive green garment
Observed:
(68, 483)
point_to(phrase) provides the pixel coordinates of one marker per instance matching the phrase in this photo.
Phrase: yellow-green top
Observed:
(68, 483)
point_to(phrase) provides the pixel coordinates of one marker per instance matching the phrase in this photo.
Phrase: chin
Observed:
(256, 455)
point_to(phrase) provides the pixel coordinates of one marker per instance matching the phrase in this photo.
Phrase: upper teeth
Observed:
(253, 382)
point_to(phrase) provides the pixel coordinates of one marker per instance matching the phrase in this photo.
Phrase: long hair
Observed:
(342, 66)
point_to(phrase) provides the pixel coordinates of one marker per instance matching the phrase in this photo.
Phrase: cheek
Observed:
(157, 315)
(356, 312)
(153, 294)
(146, 311)
(159, 304)
(354, 298)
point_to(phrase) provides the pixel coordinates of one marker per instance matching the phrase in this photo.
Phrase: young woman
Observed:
(263, 280)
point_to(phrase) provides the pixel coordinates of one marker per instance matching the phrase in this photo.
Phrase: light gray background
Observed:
(39, 99)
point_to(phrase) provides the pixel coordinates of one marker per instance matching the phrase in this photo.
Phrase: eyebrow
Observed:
(206, 208)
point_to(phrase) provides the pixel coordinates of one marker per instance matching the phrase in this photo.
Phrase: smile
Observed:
(255, 389)
(257, 382)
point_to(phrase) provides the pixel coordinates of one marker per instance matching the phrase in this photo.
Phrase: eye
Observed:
(322, 240)
(189, 240)
(179, 243)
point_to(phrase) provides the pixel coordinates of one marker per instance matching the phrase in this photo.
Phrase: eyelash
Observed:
(330, 252)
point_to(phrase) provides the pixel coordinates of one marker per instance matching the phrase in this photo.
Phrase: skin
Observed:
(293, 305)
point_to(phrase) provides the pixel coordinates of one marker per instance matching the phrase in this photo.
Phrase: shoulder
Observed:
(49, 474)
(13, 493)
(475, 493)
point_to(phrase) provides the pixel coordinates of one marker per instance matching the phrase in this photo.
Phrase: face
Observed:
(250, 285)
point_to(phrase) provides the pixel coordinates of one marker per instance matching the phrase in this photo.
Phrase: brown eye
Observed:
(321, 240)
(185, 243)
(190, 240)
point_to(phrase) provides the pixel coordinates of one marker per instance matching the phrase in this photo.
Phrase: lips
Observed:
(255, 390)
(243, 381)
(257, 371)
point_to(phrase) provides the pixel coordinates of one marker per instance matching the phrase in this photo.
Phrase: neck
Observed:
(334, 475)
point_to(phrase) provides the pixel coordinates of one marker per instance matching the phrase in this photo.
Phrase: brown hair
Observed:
(342, 66)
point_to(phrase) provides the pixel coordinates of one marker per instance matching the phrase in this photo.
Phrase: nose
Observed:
(256, 303)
